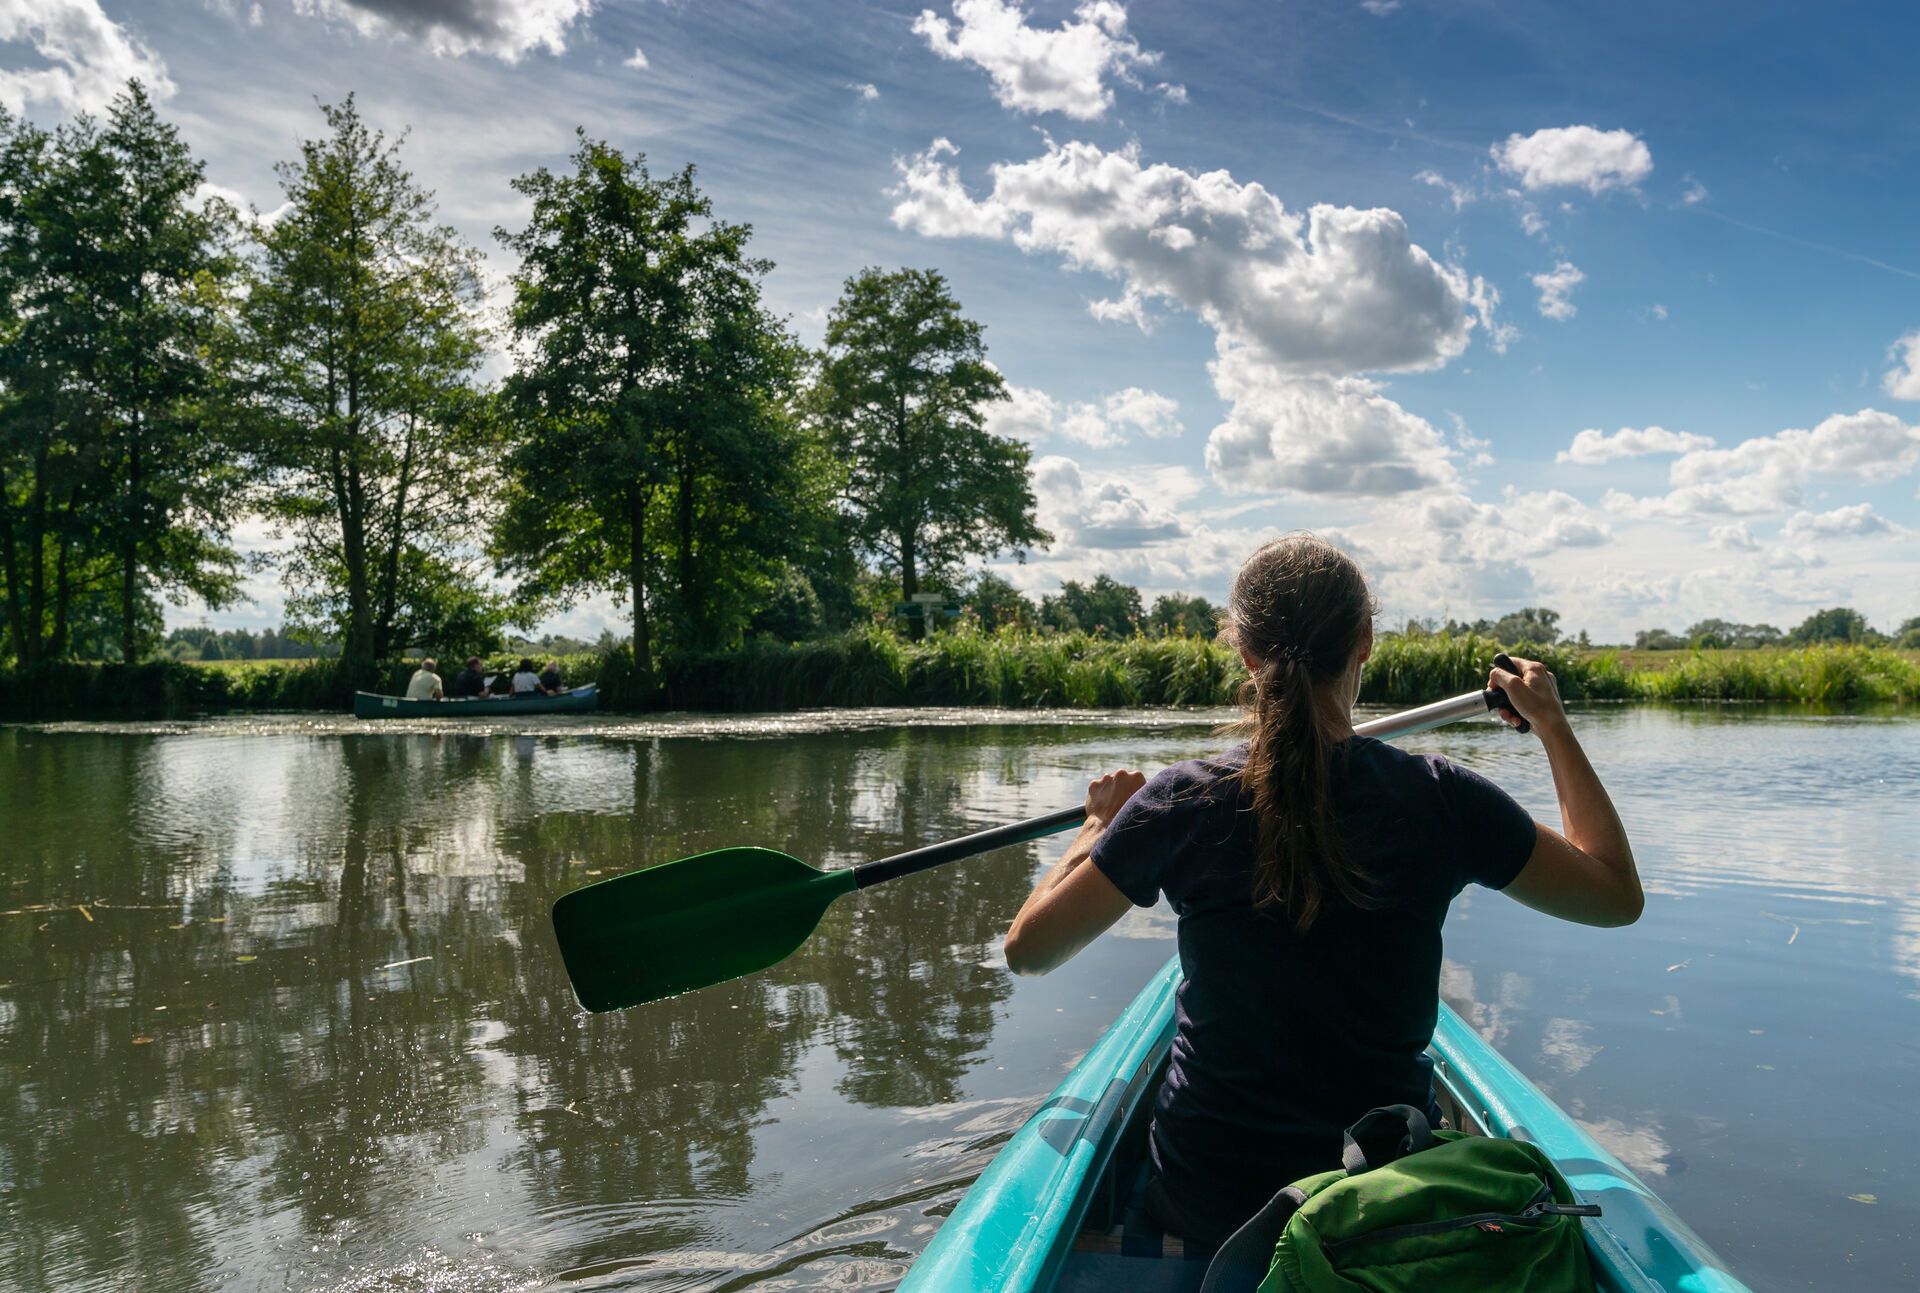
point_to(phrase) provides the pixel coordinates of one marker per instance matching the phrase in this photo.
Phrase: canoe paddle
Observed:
(715, 916)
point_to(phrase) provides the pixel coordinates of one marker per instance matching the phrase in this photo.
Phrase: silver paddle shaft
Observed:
(1438, 714)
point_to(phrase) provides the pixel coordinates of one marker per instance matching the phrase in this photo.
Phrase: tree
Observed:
(996, 603)
(664, 462)
(1106, 608)
(1711, 633)
(50, 452)
(1837, 624)
(1658, 640)
(362, 324)
(1907, 636)
(1528, 624)
(1178, 613)
(792, 611)
(903, 392)
(156, 267)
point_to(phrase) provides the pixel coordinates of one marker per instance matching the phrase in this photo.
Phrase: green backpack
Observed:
(1415, 1211)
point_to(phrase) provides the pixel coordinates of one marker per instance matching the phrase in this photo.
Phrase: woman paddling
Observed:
(1311, 870)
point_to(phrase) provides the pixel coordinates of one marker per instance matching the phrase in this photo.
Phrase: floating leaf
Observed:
(1864, 1198)
(246, 958)
(143, 1041)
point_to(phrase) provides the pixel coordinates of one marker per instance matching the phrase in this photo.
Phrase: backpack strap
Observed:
(1385, 1135)
(1243, 1261)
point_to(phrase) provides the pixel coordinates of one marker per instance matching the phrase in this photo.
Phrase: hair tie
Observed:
(1293, 653)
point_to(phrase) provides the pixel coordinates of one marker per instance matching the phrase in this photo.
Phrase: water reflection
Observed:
(279, 1005)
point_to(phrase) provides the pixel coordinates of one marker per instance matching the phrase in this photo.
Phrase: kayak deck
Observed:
(1046, 1216)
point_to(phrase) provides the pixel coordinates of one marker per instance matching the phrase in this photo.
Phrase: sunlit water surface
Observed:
(280, 1006)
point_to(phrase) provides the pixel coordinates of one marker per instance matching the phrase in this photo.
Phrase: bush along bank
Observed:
(1013, 669)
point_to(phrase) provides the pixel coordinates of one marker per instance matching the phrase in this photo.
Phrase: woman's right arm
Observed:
(1586, 875)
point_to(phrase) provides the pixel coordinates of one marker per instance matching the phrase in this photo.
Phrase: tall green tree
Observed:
(159, 265)
(51, 452)
(662, 462)
(1835, 624)
(1179, 613)
(363, 326)
(903, 393)
(1106, 607)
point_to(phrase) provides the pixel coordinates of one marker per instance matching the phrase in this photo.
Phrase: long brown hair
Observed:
(1300, 608)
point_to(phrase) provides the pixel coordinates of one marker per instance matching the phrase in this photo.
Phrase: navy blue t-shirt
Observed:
(1284, 1039)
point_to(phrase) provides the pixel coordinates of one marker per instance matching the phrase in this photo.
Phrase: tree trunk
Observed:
(10, 571)
(130, 550)
(690, 602)
(383, 628)
(910, 584)
(637, 575)
(37, 550)
(62, 595)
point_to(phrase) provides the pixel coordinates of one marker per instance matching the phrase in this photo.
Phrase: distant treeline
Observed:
(1009, 667)
(198, 642)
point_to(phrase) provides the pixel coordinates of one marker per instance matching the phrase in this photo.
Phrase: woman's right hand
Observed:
(1532, 693)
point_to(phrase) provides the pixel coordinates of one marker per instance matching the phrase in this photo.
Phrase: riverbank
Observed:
(1008, 669)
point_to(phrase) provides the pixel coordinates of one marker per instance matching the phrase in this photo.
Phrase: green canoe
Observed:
(367, 704)
(1045, 1215)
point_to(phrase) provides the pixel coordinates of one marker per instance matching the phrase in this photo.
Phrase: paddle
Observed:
(715, 916)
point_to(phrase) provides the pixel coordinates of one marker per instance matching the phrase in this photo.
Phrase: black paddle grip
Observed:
(1505, 661)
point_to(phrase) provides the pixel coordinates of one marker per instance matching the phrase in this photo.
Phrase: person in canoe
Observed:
(425, 683)
(526, 682)
(1311, 870)
(550, 680)
(470, 683)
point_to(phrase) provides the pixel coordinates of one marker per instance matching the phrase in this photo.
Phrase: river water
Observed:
(280, 1007)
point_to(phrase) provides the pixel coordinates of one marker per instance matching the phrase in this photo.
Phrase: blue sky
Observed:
(1607, 308)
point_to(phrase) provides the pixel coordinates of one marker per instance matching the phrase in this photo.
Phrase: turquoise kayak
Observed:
(1045, 1217)
(367, 704)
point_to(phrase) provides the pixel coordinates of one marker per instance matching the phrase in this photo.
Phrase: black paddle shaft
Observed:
(882, 869)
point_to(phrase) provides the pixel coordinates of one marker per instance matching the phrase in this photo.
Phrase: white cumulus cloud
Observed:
(89, 58)
(1031, 415)
(1301, 304)
(865, 89)
(1766, 474)
(1065, 69)
(1555, 286)
(1575, 156)
(1318, 435)
(1857, 521)
(1337, 290)
(1026, 414)
(636, 60)
(1087, 510)
(1592, 446)
(1903, 379)
(504, 29)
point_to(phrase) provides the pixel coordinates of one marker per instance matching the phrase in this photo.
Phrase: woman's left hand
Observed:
(1107, 795)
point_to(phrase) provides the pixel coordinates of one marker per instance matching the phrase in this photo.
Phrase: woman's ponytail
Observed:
(1300, 608)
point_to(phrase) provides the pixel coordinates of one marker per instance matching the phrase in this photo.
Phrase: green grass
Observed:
(1009, 668)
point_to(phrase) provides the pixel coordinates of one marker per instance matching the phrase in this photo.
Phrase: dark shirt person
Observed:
(470, 683)
(550, 679)
(1311, 869)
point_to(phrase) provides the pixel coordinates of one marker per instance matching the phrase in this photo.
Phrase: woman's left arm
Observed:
(1074, 903)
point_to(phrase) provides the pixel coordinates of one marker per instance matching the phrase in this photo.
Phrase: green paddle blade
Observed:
(689, 924)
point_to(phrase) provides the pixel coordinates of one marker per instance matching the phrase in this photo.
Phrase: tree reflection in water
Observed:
(340, 952)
